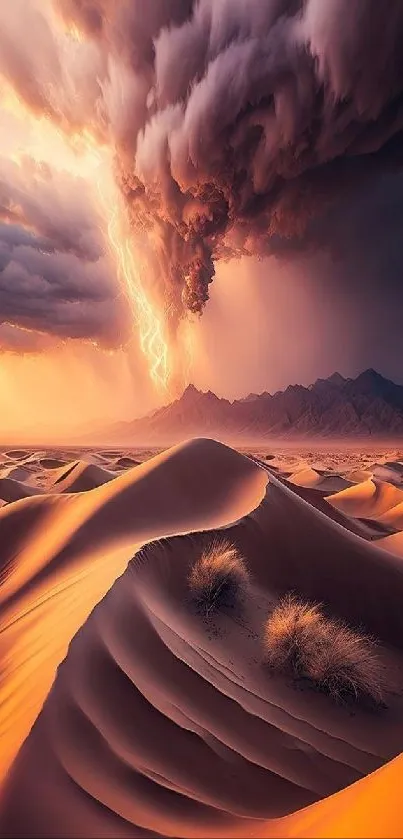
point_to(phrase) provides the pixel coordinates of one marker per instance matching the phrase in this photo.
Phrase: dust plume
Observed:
(235, 123)
(231, 128)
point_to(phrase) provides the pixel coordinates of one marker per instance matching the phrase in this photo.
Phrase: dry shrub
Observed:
(218, 579)
(338, 660)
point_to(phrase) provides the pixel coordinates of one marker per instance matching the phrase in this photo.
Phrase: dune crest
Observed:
(158, 725)
(370, 499)
(313, 479)
(61, 553)
(80, 476)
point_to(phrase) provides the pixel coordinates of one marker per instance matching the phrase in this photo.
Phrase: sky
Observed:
(194, 191)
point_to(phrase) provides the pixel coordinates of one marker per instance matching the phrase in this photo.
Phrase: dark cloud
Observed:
(251, 119)
(58, 293)
(55, 278)
(238, 128)
(53, 204)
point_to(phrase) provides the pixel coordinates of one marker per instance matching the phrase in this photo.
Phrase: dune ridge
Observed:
(369, 499)
(159, 724)
(80, 476)
(151, 706)
(60, 554)
(314, 479)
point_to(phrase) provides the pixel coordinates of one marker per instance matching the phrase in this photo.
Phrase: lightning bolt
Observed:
(91, 158)
(152, 342)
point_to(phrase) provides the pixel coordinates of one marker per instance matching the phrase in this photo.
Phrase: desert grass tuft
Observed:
(338, 660)
(218, 579)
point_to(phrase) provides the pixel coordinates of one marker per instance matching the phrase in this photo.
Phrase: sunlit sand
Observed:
(156, 722)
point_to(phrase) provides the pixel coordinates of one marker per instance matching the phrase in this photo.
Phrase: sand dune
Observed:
(317, 480)
(159, 724)
(69, 471)
(125, 463)
(367, 528)
(357, 476)
(370, 808)
(380, 504)
(389, 471)
(393, 543)
(80, 477)
(51, 462)
(60, 554)
(12, 490)
(393, 517)
(371, 499)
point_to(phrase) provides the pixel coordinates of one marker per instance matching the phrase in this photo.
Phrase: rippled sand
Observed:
(157, 723)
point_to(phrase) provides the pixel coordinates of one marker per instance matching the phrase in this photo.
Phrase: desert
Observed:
(201, 419)
(126, 712)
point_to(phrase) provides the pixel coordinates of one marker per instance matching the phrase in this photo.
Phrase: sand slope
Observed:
(313, 479)
(370, 499)
(393, 517)
(389, 471)
(158, 725)
(12, 490)
(357, 476)
(60, 554)
(393, 543)
(80, 476)
(370, 808)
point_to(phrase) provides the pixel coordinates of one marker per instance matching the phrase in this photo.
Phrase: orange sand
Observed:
(156, 724)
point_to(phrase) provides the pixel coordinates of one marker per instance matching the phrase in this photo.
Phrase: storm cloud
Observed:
(237, 128)
(247, 120)
(57, 293)
(53, 204)
(55, 277)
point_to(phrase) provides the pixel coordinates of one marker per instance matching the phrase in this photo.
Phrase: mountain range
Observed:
(337, 407)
